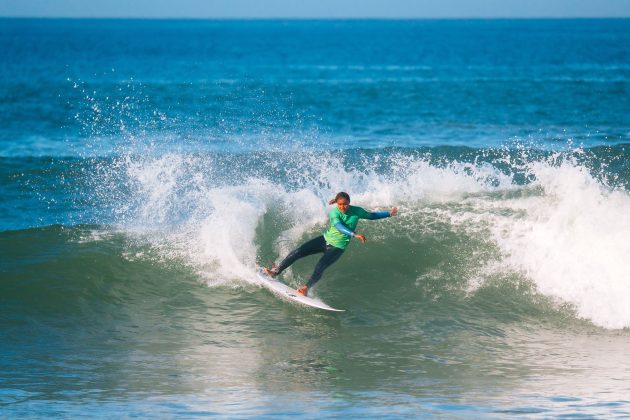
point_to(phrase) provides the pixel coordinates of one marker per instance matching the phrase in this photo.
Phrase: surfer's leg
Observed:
(331, 255)
(309, 248)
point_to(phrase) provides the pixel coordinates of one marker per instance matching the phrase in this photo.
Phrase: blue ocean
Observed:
(148, 167)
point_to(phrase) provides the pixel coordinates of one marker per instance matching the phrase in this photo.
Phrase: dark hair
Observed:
(338, 196)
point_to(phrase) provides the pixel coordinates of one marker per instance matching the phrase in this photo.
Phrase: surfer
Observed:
(343, 222)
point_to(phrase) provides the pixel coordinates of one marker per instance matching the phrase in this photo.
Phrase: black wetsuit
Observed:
(314, 246)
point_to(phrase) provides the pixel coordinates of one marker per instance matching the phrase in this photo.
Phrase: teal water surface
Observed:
(148, 167)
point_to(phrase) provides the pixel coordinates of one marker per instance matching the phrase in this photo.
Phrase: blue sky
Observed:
(316, 8)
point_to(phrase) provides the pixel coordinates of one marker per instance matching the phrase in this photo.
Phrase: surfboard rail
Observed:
(286, 292)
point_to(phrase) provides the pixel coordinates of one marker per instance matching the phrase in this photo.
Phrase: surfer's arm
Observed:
(375, 215)
(344, 229)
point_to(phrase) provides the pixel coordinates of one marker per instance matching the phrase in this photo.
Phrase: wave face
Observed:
(468, 220)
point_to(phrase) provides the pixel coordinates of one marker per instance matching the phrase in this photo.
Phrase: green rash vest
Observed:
(349, 219)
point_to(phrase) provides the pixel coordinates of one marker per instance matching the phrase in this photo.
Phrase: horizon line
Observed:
(297, 18)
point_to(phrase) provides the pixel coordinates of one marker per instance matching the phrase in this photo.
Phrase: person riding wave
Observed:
(343, 223)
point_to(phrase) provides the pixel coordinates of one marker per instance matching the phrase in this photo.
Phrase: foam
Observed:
(573, 242)
(567, 232)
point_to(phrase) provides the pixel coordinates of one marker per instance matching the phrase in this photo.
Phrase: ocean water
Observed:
(148, 167)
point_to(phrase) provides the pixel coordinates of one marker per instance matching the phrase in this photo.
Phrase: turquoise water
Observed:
(148, 167)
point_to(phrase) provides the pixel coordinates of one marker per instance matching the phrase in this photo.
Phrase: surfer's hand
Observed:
(393, 212)
(361, 237)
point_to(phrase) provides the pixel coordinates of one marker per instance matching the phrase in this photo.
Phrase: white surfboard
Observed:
(288, 293)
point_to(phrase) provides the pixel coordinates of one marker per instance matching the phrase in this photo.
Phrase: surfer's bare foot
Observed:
(303, 290)
(271, 272)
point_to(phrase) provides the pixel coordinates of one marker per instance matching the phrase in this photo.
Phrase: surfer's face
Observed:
(343, 205)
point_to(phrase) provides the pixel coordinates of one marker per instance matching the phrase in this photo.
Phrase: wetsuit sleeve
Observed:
(375, 215)
(343, 229)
